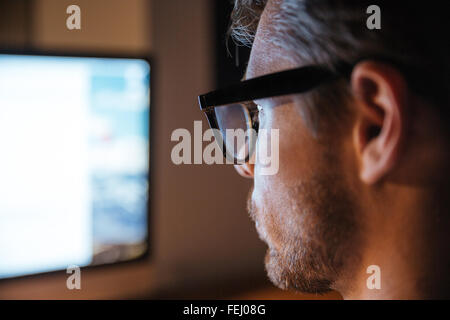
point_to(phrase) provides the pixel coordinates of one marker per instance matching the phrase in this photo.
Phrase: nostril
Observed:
(244, 170)
(247, 172)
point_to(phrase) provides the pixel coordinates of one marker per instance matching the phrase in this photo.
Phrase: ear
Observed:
(380, 93)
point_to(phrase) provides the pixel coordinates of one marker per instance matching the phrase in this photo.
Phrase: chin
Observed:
(287, 274)
(310, 229)
(274, 272)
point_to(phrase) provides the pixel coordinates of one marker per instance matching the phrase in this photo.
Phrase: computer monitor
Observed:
(74, 164)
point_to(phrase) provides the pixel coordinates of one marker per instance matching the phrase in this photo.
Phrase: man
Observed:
(362, 184)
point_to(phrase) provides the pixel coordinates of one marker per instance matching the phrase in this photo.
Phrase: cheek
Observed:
(297, 149)
(275, 212)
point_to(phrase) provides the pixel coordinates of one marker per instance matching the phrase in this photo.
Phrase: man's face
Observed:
(305, 212)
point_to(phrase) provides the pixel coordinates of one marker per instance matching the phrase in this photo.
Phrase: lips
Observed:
(261, 234)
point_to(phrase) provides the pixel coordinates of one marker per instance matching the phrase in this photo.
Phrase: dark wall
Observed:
(15, 24)
(231, 62)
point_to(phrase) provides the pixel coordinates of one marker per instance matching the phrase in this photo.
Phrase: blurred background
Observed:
(202, 242)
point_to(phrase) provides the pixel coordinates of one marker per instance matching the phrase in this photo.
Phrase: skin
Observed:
(347, 198)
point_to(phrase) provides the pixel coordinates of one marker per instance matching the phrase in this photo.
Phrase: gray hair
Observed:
(412, 36)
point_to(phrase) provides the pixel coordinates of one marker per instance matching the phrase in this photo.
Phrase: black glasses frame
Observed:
(281, 83)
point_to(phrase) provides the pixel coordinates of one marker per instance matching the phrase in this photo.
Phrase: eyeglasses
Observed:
(232, 109)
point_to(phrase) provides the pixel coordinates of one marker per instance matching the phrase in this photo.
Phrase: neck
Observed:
(409, 243)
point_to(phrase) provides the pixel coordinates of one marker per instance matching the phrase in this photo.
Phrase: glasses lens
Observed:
(234, 123)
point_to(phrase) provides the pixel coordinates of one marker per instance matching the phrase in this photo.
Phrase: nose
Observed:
(247, 169)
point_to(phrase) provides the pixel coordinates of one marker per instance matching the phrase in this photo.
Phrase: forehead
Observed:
(266, 55)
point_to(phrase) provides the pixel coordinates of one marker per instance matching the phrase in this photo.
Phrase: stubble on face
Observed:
(310, 230)
(306, 213)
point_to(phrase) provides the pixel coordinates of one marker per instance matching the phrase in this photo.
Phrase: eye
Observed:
(254, 110)
(260, 111)
(255, 116)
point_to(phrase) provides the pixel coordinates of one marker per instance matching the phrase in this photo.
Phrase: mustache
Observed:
(250, 205)
(253, 213)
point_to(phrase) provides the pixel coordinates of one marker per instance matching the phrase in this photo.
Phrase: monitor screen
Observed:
(74, 164)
